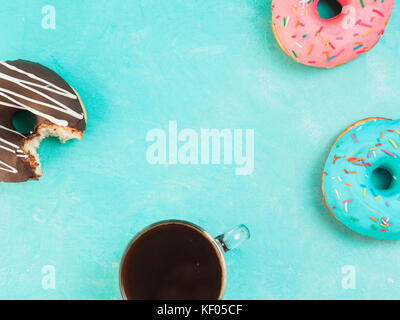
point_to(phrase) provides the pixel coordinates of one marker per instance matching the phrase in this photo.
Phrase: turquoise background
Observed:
(206, 64)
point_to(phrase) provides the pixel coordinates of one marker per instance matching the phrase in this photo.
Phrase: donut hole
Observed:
(328, 9)
(24, 122)
(382, 178)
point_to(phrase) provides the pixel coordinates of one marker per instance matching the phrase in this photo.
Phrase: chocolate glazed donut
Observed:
(58, 109)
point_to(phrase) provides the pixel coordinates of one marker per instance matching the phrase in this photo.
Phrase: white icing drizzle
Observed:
(10, 147)
(13, 131)
(7, 149)
(40, 89)
(8, 168)
(45, 86)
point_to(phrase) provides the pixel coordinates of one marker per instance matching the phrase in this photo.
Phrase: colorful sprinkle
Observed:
(354, 137)
(378, 12)
(310, 50)
(372, 218)
(393, 143)
(389, 153)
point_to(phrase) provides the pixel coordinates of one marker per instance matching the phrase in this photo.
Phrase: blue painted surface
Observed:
(206, 64)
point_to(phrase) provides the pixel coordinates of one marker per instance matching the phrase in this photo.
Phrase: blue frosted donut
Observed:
(361, 178)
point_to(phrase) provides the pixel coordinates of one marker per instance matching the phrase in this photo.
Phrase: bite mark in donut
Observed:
(58, 110)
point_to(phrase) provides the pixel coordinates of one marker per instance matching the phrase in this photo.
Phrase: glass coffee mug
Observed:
(177, 260)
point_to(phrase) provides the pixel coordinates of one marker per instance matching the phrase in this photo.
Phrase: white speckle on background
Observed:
(209, 50)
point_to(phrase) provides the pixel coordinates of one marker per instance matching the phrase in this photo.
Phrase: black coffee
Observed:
(172, 261)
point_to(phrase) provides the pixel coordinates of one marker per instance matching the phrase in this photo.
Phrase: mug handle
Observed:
(233, 238)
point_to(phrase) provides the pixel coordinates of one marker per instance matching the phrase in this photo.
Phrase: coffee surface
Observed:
(172, 261)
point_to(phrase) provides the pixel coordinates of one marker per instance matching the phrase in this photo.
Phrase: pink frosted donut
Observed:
(309, 39)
